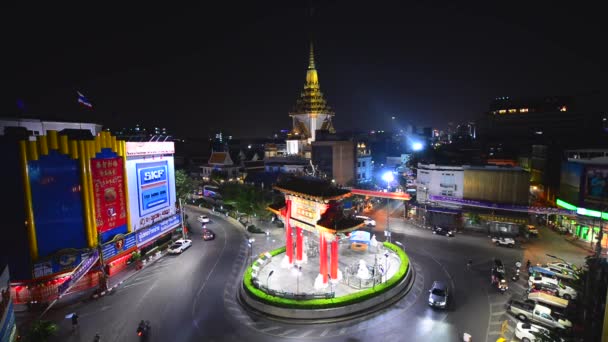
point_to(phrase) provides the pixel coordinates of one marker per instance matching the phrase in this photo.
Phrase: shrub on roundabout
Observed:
(330, 302)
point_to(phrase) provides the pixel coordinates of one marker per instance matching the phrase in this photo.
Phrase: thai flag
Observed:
(83, 100)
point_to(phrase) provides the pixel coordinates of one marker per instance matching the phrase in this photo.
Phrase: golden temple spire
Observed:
(311, 59)
(312, 78)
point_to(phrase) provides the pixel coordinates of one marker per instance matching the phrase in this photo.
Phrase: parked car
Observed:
(443, 231)
(503, 241)
(438, 295)
(561, 273)
(526, 332)
(541, 271)
(565, 266)
(537, 313)
(179, 246)
(203, 219)
(548, 300)
(547, 288)
(563, 291)
(532, 230)
(208, 235)
(367, 220)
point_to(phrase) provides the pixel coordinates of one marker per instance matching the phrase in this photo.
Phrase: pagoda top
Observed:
(311, 188)
(311, 100)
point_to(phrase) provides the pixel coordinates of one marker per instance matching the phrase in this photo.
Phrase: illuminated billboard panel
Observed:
(151, 183)
(108, 189)
(596, 184)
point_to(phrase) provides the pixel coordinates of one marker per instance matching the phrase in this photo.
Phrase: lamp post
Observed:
(298, 272)
(400, 244)
(268, 279)
(331, 284)
(250, 244)
(388, 178)
(386, 266)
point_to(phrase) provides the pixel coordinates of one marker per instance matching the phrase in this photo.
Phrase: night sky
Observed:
(240, 67)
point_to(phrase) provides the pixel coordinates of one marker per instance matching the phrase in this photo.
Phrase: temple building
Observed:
(311, 113)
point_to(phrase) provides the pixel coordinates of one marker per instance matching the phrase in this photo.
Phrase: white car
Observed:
(367, 220)
(563, 291)
(561, 273)
(203, 219)
(565, 266)
(503, 241)
(524, 331)
(179, 246)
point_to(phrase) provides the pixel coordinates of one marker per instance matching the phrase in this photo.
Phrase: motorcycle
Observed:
(516, 276)
(143, 330)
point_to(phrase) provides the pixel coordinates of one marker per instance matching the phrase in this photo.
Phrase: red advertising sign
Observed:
(108, 187)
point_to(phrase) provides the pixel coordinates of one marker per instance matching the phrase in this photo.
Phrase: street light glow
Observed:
(417, 146)
(388, 177)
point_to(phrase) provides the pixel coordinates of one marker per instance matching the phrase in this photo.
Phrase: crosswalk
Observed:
(499, 314)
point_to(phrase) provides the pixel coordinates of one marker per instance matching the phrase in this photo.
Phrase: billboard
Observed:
(596, 184)
(145, 235)
(151, 183)
(108, 189)
(303, 210)
(57, 203)
(61, 261)
(570, 182)
(119, 244)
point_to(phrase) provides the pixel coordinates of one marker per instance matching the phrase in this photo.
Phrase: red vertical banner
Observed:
(299, 244)
(334, 259)
(108, 188)
(323, 256)
(288, 238)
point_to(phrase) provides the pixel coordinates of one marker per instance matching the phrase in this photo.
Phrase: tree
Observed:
(41, 331)
(247, 199)
(184, 184)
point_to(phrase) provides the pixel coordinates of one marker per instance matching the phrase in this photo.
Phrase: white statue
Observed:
(374, 242)
(363, 272)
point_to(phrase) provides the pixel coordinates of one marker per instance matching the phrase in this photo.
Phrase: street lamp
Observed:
(298, 270)
(388, 178)
(331, 284)
(400, 244)
(386, 266)
(250, 244)
(268, 279)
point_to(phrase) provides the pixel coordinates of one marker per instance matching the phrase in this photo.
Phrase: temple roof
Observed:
(312, 188)
(311, 100)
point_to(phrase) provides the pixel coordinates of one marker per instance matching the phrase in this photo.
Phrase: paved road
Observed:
(191, 297)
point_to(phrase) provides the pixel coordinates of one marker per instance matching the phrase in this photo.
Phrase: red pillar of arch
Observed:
(323, 256)
(288, 238)
(299, 243)
(334, 259)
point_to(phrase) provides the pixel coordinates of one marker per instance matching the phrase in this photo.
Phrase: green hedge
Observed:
(331, 302)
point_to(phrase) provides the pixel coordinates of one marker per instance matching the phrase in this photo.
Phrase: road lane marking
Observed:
(306, 333)
(134, 284)
(269, 329)
(498, 313)
(287, 332)
(519, 285)
(342, 331)
(325, 332)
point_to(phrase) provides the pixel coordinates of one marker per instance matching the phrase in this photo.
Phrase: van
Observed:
(544, 298)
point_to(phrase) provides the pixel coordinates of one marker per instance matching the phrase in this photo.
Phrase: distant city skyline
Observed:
(175, 68)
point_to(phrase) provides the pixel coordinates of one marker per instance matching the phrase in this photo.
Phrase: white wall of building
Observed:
(364, 168)
(39, 127)
(439, 181)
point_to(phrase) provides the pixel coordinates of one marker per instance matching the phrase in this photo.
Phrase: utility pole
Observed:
(181, 211)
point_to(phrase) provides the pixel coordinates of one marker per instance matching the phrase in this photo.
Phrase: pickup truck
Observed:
(547, 299)
(503, 241)
(537, 313)
(562, 290)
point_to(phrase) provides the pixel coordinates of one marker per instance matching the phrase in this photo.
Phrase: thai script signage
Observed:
(148, 234)
(119, 244)
(80, 271)
(108, 188)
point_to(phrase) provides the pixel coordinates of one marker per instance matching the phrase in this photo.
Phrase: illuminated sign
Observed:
(148, 234)
(304, 210)
(149, 148)
(108, 189)
(153, 186)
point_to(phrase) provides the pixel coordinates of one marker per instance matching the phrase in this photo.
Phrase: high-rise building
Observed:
(311, 113)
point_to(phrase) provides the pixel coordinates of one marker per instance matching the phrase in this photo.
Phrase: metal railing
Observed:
(292, 295)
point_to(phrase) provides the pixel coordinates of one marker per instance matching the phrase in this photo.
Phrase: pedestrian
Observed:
(74, 321)
(97, 338)
(528, 264)
(469, 264)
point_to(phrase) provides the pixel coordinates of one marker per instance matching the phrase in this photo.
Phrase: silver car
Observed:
(438, 295)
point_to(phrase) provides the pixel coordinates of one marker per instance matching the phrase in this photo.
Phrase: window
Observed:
(523, 110)
(512, 110)
(502, 111)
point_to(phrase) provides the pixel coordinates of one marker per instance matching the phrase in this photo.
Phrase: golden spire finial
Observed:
(311, 59)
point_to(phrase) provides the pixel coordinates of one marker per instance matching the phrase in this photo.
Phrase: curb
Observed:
(247, 302)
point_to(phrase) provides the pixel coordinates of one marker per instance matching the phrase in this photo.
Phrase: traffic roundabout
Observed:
(370, 280)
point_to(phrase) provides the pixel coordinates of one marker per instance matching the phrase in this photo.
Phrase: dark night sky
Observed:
(241, 67)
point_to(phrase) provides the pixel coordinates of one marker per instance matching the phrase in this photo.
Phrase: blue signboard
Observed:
(80, 271)
(148, 234)
(57, 203)
(118, 245)
(152, 186)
